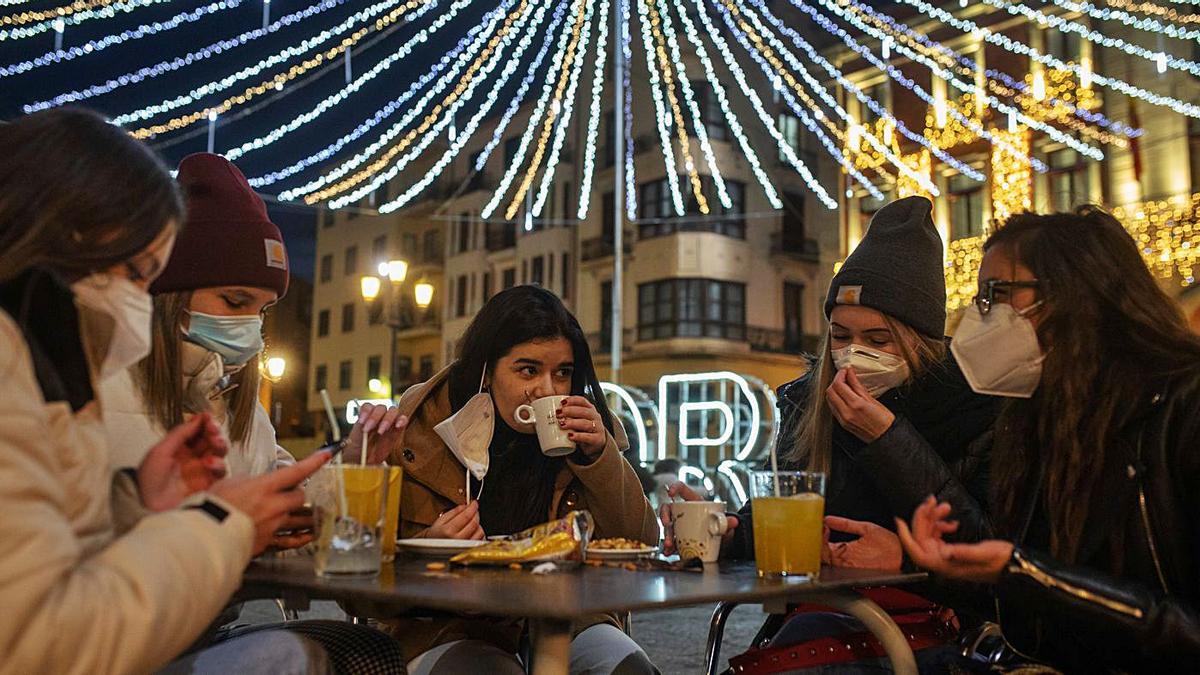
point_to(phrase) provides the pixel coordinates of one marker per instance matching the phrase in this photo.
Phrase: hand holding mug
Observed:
(686, 493)
(583, 424)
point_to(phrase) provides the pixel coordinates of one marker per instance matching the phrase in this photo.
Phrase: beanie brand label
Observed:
(849, 295)
(276, 255)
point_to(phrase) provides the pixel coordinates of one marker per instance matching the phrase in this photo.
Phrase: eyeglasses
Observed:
(984, 300)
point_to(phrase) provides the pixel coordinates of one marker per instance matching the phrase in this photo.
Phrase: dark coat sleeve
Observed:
(905, 469)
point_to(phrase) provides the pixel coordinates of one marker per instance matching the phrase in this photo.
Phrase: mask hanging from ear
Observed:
(468, 433)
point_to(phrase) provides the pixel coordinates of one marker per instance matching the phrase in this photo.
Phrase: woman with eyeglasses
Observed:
(1095, 473)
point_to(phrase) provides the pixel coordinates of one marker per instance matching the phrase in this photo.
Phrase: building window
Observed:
(606, 316)
(326, 267)
(510, 277)
(460, 302)
(691, 308)
(375, 313)
(789, 128)
(566, 275)
(1067, 179)
(379, 249)
(374, 366)
(500, 236)
(710, 111)
(867, 206)
(793, 317)
(320, 377)
(464, 232)
(327, 218)
(568, 193)
(345, 370)
(537, 274)
(323, 323)
(966, 207)
(403, 370)
(347, 317)
(608, 141)
(657, 204)
(510, 150)
(1064, 46)
(351, 261)
(794, 232)
(524, 271)
(426, 368)
(431, 246)
(487, 286)
(608, 218)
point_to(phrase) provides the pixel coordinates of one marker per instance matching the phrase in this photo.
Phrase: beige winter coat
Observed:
(132, 431)
(76, 596)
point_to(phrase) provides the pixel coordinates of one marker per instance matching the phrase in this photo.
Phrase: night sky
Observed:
(296, 221)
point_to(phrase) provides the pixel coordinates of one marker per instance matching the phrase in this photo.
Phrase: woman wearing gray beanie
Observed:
(884, 411)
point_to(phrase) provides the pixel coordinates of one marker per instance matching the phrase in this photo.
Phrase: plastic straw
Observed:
(775, 469)
(333, 423)
(468, 486)
(362, 459)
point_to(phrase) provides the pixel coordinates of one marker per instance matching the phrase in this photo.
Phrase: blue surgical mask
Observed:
(236, 338)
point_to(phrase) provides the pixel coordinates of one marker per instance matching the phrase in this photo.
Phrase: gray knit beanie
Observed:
(897, 268)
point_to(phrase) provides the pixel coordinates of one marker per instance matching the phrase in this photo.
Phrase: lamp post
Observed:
(372, 289)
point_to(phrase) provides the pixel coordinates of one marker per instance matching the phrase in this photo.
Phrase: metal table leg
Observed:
(877, 621)
(551, 646)
(716, 632)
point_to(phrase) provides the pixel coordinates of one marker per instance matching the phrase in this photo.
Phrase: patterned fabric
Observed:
(352, 649)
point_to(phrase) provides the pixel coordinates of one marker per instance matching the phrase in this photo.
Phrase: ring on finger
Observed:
(593, 426)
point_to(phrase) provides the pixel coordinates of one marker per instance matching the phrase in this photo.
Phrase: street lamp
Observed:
(424, 294)
(397, 270)
(375, 385)
(275, 367)
(370, 288)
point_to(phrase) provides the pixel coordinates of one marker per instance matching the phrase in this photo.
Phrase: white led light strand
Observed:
(661, 117)
(1018, 47)
(785, 148)
(593, 131)
(689, 98)
(490, 59)
(816, 86)
(735, 124)
(491, 22)
(420, 38)
(1163, 59)
(627, 109)
(93, 46)
(1138, 22)
(181, 61)
(568, 106)
(556, 64)
(305, 46)
(472, 125)
(862, 96)
(22, 32)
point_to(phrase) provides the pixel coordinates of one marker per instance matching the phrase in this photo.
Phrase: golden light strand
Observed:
(668, 74)
(922, 164)
(429, 120)
(55, 13)
(551, 115)
(1156, 10)
(1012, 179)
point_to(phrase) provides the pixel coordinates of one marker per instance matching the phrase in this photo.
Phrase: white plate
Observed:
(437, 547)
(622, 553)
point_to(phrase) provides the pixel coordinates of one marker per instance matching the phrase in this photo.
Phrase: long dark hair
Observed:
(78, 195)
(512, 317)
(1109, 335)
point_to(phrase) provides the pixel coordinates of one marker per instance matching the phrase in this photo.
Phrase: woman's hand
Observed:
(387, 423)
(664, 515)
(270, 498)
(876, 548)
(980, 562)
(856, 410)
(188, 460)
(460, 522)
(296, 531)
(583, 424)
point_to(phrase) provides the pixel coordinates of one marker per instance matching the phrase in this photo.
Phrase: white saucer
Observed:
(437, 547)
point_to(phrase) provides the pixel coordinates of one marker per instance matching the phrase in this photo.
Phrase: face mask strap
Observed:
(1024, 313)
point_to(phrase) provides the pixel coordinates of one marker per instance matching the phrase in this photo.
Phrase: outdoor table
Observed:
(552, 601)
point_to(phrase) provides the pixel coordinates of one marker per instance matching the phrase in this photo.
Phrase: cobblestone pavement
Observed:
(673, 638)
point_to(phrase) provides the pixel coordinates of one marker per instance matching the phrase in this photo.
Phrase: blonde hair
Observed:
(811, 431)
(160, 375)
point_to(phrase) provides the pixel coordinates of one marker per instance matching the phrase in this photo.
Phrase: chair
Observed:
(716, 632)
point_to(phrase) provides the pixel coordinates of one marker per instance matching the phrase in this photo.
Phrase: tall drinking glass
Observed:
(349, 507)
(789, 512)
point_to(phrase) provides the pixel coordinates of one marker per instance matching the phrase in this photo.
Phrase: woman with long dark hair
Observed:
(522, 345)
(1095, 472)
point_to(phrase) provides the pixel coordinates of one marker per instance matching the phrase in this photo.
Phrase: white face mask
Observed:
(130, 309)
(468, 433)
(999, 353)
(878, 371)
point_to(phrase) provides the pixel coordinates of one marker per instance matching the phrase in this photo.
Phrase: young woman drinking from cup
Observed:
(522, 347)
(883, 410)
(1095, 471)
(102, 572)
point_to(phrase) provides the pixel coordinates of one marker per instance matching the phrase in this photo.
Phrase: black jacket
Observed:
(939, 445)
(1132, 602)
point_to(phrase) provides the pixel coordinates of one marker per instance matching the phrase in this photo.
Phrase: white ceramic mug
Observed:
(698, 528)
(543, 415)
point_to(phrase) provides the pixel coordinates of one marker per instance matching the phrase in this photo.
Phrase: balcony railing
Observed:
(601, 247)
(805, 249)
(777, 341)
(500, 239)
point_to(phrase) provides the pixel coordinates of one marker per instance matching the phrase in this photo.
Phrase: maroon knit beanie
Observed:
(228, 240)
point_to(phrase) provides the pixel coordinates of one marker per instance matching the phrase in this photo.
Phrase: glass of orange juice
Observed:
(349, 508)
(789, 513)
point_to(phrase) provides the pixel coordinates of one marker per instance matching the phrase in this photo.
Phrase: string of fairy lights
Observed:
(466, 78)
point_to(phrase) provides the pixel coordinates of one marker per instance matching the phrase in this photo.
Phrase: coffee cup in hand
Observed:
(542, 414)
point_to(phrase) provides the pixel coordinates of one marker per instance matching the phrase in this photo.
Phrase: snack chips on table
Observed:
(562, 540)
